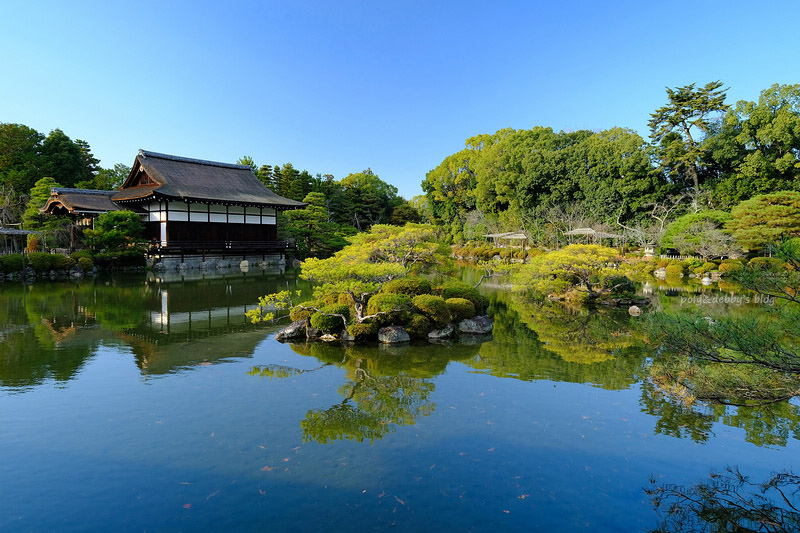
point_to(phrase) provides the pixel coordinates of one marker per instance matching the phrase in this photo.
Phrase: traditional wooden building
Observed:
(195, 205)
(188, 206)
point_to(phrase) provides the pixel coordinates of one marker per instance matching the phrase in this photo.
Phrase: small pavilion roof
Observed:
(80, 201)
(512, 235)
(593, 233)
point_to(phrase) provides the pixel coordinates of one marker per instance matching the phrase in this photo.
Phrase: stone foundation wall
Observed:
(215, 262)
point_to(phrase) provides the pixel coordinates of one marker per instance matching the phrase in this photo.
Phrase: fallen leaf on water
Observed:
(212, 494)
(523, 496)
(296, 448)
(187, 505)
(262, 492)
(263, 447)
(401, 502)
(432, 466)
(624, 419)
(506, 511)
(212, 433)
(490, 450)
(205, 363)
(364, 491)
(382, 494)
(267, 468)
(185, 483)
(286, 459)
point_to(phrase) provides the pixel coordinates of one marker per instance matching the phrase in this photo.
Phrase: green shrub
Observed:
(363, 332)
(729, 265)
(433, 307)
(82, 253)
(663, 263)
(418, 326)
(458, 289)
(766, 263)
(61, 262)
(460, 308)
(301, 311)
(395, 307)
(123, 259)
(85, 263)
(40, 261)
(619, 285)
(11, 263)
(691, 264)
(327, 320)
(410, 286)
(675, 270)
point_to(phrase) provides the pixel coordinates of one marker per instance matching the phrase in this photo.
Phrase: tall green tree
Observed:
(56, 230)
(20, 156)
(759, 143)
(311, 229)
(766, 219)
(680, 127)
(63, 159)
(370, 200)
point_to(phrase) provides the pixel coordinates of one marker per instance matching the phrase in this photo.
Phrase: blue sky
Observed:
(336, 87)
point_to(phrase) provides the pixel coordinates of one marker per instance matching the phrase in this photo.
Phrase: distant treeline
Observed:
(702, 154)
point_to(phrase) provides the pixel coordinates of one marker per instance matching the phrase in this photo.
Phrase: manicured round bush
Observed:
(433, 307)
(663, 263)
(458, 289)
(327, 318)
(40, 261)
(85, 263)
(395, 307)
(82, 253)
(410, 286)
(11, 263)
(418, 326)
(675, 270)
(729, 265)
(365, 331)
(61, 262)
(460, 308)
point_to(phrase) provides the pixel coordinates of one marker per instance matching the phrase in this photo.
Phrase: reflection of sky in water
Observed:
(111, 423)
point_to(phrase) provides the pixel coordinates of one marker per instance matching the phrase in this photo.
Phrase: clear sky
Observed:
(336, 86)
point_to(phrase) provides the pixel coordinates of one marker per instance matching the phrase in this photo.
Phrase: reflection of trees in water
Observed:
(548, 341)
(385, 387)
(373, 406)
(768, 425)
(729, 501)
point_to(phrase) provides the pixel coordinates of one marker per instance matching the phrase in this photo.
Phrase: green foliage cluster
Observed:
(331, 318)
(675, 270)
(483, 251)
(460, 308)
(583, 266)
(434, 308)
(389, 308)
(702, 152)
(459, 289)
(409, 285)
(766, 219)
(11, 263)
(115, 231)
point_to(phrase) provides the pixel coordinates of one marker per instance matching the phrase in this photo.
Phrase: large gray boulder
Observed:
(393, 335)
(294, 330)
(477, 325)
(444, 333)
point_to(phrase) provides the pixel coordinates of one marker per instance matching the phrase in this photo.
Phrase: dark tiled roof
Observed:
(81, 200)
(195, 179)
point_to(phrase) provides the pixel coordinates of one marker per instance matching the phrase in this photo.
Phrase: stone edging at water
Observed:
(475, 326)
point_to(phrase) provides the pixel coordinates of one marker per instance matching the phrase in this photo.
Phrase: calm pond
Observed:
(134, 403)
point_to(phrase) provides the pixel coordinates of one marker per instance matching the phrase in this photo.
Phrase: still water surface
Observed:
(138, 404)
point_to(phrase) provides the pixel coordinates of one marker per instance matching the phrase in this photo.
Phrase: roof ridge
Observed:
(157, 155)
(84, 191)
